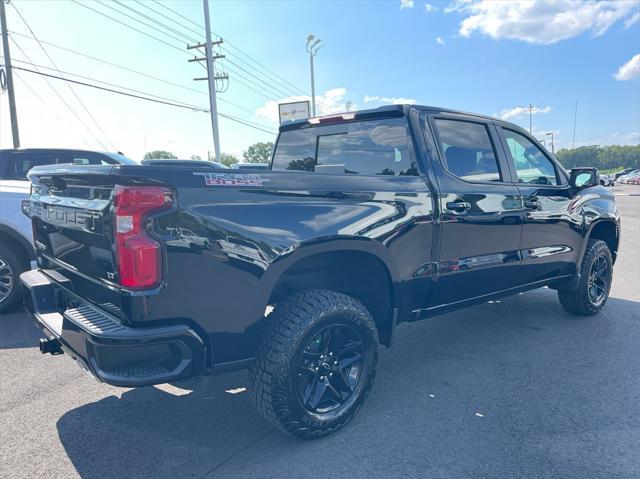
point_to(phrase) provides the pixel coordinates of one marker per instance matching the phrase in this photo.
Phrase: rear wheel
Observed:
(11, 266)
(596, 273)
(315, 363)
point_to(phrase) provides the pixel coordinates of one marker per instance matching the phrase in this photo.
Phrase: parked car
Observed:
(16, 244)
(364, 221)
(629, 177)
(606, 180)
(626, 171)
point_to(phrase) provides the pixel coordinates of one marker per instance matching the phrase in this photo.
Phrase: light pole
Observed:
(312, 49)
(553, 150)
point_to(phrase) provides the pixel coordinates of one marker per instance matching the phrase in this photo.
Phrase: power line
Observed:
(70, 88)
(44, 102)
(137, 20)
(130, 27)
(106, 62)
(108, 83)
(252, 85)
(244, 122)
(275, 76)
(280, 78)
(141, 97)
(143, 15)
(130, 70)
(277, 90)
(178, 14)
(268, 96)
(168, 18)
(77, 82)
(60, 97)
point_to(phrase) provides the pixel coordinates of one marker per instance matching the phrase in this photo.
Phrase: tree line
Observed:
(257, 153)
(609, 157)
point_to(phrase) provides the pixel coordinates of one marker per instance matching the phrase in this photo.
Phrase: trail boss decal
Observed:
(230, 179)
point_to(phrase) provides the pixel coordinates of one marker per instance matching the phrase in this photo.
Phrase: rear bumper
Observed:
(112, 352)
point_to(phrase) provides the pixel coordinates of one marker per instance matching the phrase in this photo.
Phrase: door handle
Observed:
(532, 204)
(458, 206)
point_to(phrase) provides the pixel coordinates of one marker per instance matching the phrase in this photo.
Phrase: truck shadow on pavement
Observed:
(17, 330)
(463, 394)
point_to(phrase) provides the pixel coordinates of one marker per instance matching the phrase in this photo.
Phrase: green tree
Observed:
(601, 157)
(160, 154)
(228, 159)
(258, 153)
(196, 157)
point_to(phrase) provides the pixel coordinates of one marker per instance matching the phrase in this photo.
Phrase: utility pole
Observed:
(7, 63)
(211, 76)
(213, 105)
(312, 49)
(530, 108)
(575, 119)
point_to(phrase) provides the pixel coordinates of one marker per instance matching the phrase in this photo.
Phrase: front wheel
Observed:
(596, 273)
(315, 363)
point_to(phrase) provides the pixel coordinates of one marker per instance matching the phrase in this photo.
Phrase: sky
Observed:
(487, 57)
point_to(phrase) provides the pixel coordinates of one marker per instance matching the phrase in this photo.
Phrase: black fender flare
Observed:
(298, 252)
(328, 245)
(572, 283)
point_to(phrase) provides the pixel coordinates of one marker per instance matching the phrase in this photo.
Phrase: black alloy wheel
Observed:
(329, 368)
(598, 280)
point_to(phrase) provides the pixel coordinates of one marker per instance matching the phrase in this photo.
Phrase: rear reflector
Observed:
(138, 255)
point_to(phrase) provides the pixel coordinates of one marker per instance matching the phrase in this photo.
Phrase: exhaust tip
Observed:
(50, 346)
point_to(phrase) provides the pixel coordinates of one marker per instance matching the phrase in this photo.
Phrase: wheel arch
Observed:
(356, 270)
(18, 242)
(607, 231)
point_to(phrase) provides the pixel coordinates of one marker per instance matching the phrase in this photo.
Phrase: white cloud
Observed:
(630, 70)
(632, 20)
(389, 100)
(519, 111)
(440, 41)
(540, 21)
(333, 101)
(406, 4)
(430, 8)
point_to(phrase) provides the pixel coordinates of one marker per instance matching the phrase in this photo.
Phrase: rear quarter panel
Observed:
(240, 239)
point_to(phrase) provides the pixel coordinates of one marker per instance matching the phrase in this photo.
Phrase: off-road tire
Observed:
(295, 321)
(578, 301)
(17, 264)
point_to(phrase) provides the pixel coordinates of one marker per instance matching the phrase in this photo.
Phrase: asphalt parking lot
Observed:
(512, 388)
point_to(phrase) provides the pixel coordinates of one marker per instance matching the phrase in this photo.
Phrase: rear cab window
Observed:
(371, 147)
(467, 150)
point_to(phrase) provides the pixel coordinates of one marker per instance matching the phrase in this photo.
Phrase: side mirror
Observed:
(584, 177)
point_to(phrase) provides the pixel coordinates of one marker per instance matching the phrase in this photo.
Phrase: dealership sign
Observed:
(297, 110)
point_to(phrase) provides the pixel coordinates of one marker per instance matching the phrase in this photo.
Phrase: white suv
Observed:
(16, 242)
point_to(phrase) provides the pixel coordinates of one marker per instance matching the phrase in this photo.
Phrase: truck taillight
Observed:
(138, 255)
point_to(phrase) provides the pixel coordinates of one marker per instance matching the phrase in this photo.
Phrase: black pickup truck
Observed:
(154, 274)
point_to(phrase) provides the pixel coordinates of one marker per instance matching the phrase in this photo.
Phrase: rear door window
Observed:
(373, 147)
(467, 150)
